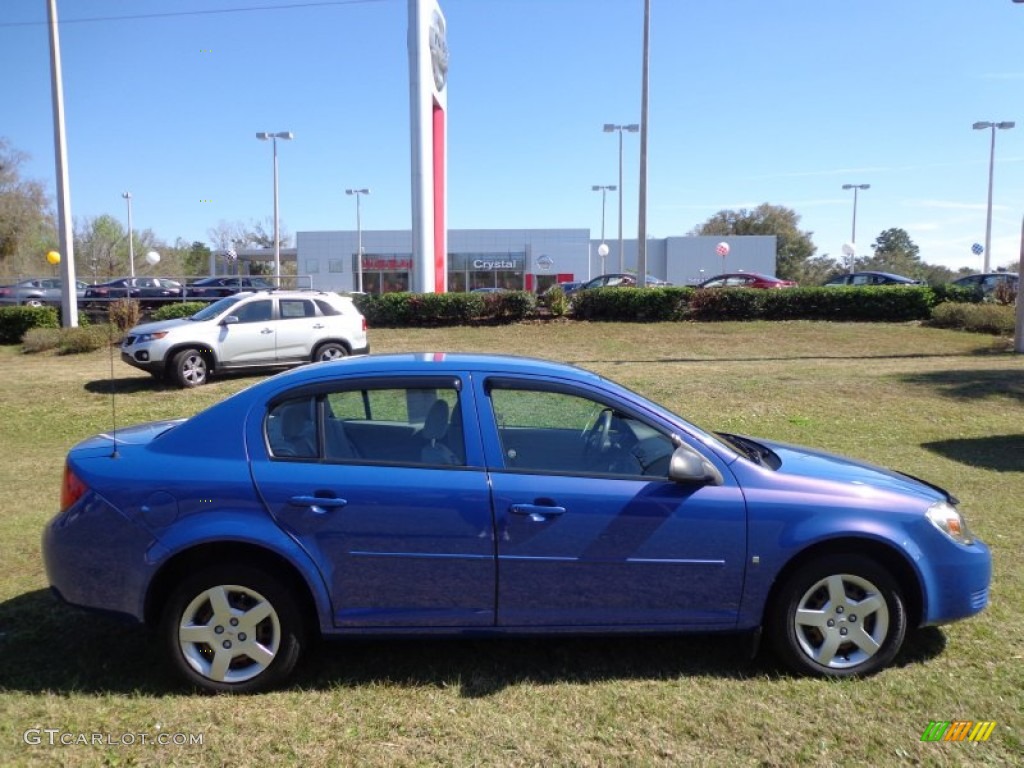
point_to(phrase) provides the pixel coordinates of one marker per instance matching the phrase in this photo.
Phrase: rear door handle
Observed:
(537, 513)
(319, 505)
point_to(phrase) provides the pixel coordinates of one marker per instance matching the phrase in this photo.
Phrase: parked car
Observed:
(150, 291)
(488, 289)
(440, 494)
(746, 280)
(225, 285)
(38, 291)
(617, 280)
(988, 282)
(267, 329)
(567, 287)
(872, 278)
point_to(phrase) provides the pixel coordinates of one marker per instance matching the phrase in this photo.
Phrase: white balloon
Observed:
(152, 258)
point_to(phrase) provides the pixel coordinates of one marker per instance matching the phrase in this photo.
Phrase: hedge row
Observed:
(880, 304)
(440, 309)
(15, 321)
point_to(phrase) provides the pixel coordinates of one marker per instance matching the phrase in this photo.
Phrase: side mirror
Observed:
(229, 320)
(688, 466)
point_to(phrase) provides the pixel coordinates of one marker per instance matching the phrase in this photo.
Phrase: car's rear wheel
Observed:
(190, 368)
(838, 616)
(329, 351)
(232, 629)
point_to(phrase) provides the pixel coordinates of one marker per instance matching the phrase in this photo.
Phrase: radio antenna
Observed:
(113, 388)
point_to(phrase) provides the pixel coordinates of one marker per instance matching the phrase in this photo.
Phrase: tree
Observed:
(27, 228)
(794, 247)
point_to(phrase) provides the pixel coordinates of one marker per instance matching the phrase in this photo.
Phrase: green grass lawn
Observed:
(946, 406)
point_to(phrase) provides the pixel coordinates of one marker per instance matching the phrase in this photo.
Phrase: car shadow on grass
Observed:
(127, 385)
(46, 646)
(974, 384)
(1003, 453)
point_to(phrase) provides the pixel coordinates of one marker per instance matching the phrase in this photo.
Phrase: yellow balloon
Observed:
(53, 257)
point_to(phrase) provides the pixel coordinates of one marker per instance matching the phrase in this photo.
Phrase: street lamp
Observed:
(263, 136)
(359, 233)
(131, 244)
(604, 189)
(855, 188)
(981, 126)
(611, 128)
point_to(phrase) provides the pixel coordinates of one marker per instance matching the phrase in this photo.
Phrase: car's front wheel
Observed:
(838, 616)
(232, 629)
(190, 368)
(329, 351)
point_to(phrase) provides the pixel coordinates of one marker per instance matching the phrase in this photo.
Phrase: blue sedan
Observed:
(447, 494)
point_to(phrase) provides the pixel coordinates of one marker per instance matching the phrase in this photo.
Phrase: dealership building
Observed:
(514, 259)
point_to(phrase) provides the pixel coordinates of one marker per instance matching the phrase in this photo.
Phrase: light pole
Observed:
(604, 189)
(359, 234)
(855, 188)
(263, 136)
(981, 126)
(131, 244)
(611, 128)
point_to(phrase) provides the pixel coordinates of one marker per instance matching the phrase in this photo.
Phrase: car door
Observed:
(298, 329)
(590, 531)
(252, 338)
(401, 530)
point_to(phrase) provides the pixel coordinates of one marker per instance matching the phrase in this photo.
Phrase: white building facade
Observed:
(516, 259)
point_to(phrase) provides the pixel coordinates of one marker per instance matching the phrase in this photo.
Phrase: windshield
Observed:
(217, 308)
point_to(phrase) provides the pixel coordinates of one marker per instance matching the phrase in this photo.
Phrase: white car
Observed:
(268, 329)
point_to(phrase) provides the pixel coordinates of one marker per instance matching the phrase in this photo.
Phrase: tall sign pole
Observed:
(428, 115)
(65, 230)
(1018, 334)
(641, 237)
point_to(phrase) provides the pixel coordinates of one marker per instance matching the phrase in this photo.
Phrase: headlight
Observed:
(947, 519)
(142, 338)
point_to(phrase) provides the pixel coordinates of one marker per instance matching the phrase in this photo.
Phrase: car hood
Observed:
(161, 325)
(800, 461)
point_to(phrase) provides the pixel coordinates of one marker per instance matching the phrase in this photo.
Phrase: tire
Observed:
(190, 368)
(838, 616)
(232, 629)
(329, 351)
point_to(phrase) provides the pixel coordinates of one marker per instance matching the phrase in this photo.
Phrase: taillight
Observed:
(365, 326)
(71, 489)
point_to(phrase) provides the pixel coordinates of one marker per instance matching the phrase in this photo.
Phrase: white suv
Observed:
(268, 329)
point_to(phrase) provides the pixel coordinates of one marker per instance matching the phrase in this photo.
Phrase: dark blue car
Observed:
(446, 494)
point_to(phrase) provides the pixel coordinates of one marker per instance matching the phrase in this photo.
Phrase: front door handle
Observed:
(537, 513)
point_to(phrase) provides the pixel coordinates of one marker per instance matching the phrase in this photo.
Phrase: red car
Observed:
(746, 280)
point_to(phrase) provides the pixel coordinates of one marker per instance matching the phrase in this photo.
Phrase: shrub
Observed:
(997, 319)
(631, 304)
(40, 340)
(178, 309)
(124, 313)
(884, 304)
(1004, 293)
(557, 301)
(397, 310)
(16, 321)
(957, 293)
(508, 306)
(67, 341)
(728, 303)
(86, 338)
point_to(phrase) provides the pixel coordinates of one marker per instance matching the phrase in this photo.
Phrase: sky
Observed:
(750, 102)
